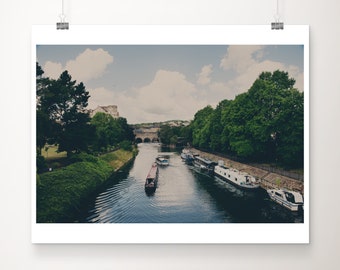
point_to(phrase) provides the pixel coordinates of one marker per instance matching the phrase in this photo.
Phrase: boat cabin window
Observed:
(278, 194)
(290, 197)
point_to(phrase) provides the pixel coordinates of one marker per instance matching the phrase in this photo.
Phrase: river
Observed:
(182, 196)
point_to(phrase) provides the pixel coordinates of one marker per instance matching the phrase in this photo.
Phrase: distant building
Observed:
(110, 109)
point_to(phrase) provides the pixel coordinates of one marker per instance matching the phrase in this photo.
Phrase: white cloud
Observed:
(90, 64)
(204, 76)
(248, 63)
(168, 96)
(52, 69)
(100, 96)
(239, 58)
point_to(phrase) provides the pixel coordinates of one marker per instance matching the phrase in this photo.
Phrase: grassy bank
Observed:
(61, 192)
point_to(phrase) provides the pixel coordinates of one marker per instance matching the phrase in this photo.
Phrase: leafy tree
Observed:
(263, 124)
(200, 127)
(61, 113)
(165, 134)
(290, 131)
(216, 126)
(127, 129)
(44, 125)
(110, 131)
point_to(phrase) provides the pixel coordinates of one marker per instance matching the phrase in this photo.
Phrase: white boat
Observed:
(184, 154)
(236, 177)
(162, 161)
(290, 199)
(204, 165)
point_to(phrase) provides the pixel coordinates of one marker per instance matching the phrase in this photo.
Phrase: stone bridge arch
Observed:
(146, 135)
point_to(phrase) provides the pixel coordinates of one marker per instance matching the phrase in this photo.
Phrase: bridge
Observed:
(146, 134)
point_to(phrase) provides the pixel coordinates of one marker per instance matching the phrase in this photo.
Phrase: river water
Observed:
(183, 195)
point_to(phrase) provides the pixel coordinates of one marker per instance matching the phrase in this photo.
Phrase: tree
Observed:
(165, 134)
(263, 124)
(44, 126)
(108, 131)
(127, 129)
(62, 105)
(290, 130)
(216, 126)
(200, 127)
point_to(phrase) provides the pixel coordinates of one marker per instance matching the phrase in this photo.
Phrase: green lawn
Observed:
(52, 153)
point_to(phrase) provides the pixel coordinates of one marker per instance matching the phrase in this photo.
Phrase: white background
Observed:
(16, 250)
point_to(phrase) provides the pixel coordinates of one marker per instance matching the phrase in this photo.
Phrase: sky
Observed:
(154, 83)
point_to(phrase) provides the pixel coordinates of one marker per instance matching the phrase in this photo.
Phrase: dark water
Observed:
(183, 196)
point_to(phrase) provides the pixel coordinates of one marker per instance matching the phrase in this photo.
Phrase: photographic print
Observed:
(146, 135)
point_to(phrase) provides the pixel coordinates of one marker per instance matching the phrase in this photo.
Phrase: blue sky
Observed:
(152, 83)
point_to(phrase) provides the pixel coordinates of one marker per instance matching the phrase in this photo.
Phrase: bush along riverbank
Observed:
(61, 192)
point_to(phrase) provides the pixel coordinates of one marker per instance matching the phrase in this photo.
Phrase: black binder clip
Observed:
(277, 25)
(62, 25)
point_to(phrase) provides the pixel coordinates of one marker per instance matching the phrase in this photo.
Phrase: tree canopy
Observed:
(61, 114)
(63, 118)
(264, 124)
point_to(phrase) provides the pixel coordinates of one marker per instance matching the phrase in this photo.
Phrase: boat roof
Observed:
(153, 171)
(205, 160)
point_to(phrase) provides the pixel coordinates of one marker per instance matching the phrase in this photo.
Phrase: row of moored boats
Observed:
(292, 200)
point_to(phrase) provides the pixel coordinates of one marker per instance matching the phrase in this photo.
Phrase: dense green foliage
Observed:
(61, 192)
(110, 132)
(61, 115)
(175, 135)
(264, 124)
(63, 119)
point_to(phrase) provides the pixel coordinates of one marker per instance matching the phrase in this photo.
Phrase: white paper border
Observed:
(171, 35)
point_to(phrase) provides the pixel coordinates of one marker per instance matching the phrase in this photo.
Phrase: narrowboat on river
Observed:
(152, 179)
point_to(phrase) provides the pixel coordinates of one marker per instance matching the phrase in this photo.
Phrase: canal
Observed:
(183, 195)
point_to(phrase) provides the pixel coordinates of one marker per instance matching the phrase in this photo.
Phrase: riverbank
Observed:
(268, 179)
(60, 193)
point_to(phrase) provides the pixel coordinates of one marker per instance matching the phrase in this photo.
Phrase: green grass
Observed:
(50, 153)
(117, 158)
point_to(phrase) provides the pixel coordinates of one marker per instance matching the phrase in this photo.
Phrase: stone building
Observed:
(110, 109)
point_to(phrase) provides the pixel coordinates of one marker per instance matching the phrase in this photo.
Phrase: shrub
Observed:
(83, 157)
(41, 163)
(61, 192)
(126, 145)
